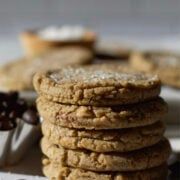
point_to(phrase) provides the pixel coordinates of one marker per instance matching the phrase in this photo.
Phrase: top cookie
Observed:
(18, 75)
(96, 85)
(165, 64)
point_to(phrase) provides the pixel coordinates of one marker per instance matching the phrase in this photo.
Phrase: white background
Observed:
(108, 16)
(131, 21)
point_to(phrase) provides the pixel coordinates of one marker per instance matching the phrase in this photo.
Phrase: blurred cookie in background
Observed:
(112, 51)
(72, 55)
(18, 75)
(38, 41)
(165, 64)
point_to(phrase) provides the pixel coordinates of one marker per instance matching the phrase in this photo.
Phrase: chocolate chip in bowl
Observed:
(31, 116)
(19, 127)
(7, 124)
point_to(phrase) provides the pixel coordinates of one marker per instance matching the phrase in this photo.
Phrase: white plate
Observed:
(10, 176)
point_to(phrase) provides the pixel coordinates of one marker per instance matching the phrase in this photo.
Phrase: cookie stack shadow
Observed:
(102, 124)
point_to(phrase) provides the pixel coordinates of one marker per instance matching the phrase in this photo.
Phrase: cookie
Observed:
(131, 161)
(67, 56)
(58, 172)
(112, 51)
(104, 140)
(165, 64)
(18, 75)
(94, 85)
(34, 44)
(91, 117)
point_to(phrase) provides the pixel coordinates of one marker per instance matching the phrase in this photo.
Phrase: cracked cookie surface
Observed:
(122, 140)
(90, 117)
(136, 160)
(58, 172)
(96, 85)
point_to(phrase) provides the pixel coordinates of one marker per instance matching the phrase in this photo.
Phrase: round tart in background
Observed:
(38, 41)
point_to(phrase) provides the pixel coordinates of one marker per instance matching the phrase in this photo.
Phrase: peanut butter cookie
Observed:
(91, 117)
(18, 75)
(122, 140)
(96, 85)
(130, 161)
(165, 64)
(59, 172)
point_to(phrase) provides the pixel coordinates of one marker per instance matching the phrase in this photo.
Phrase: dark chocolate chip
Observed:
(31, 117)
(13, 95)
(21, 106)
(8, 102)
(6, 124)
(13, 114)
(2, 114)
(33, 107)
(4, 104)
(3, 96)
(13, 107)
(175, 171)
(21, 102)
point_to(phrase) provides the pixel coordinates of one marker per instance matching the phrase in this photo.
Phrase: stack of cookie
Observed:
(101, 123)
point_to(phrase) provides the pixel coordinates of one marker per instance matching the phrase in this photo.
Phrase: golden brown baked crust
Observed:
(90, 117)
(96, 85)
(57, 172)
(131, 161)
(123, 140)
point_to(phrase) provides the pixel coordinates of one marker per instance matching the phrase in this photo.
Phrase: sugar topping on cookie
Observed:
(90, 75)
